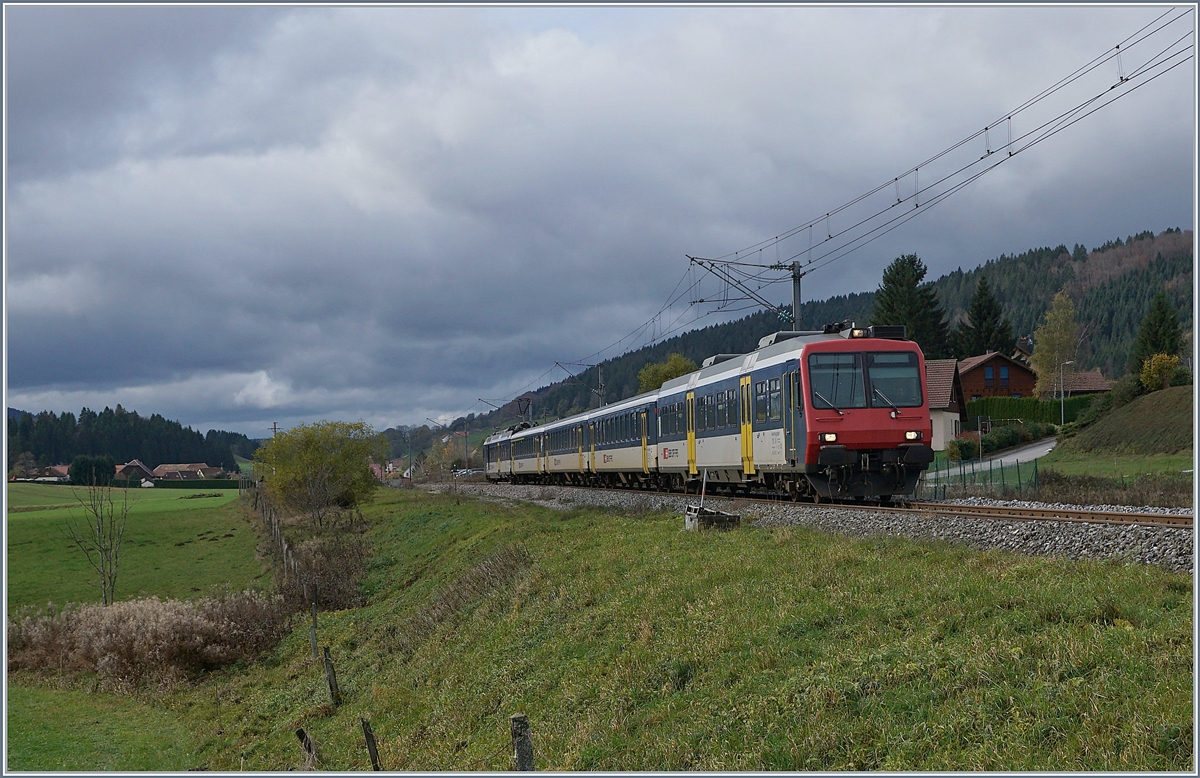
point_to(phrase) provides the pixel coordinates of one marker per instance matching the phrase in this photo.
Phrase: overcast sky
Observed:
(237, 216)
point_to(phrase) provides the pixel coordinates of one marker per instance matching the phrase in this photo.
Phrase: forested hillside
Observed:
(1112, 286)
(122, 435)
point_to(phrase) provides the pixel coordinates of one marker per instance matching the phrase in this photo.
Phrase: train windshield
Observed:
(836, 381)
(895, 379)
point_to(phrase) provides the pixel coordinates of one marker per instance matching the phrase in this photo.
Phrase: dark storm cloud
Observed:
(236, 216)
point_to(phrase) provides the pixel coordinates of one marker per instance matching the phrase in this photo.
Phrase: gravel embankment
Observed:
(1168, 547)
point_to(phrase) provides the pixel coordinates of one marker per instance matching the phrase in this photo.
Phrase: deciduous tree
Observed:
(655, 374)
(1054, 342)
(319, 469)
(1158, 370)
(903, 299)
(100, 532)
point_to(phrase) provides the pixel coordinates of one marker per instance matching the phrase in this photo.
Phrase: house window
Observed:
(1004, 375)
(989, 379)
(1016, 394)
(974, 397)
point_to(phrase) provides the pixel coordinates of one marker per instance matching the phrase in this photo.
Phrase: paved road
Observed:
(1006, 458)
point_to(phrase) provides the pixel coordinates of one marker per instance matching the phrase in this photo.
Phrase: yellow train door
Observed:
(691, 432)
(747, 407)
(645, 452)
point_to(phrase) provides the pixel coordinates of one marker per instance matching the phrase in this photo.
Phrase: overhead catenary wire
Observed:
(1158, 65)
(1061, 84)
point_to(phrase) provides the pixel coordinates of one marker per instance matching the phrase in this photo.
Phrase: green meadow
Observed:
(632, 645)
(177, 544)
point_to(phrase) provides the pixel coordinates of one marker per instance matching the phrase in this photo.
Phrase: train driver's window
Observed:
(775, 401)
(836, 381)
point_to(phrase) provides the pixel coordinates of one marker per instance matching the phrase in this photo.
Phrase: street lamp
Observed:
(1062, 393)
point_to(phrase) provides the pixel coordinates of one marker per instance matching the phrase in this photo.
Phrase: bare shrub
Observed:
(488, 576)
(149, 640)
(334, 565)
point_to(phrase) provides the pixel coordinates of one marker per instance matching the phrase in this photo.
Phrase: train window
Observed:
(710, 409)
(760, 401)
(731, 401)
(721, 406)
(836, 381)
(775, 401)
(895, 379)
(700, 413)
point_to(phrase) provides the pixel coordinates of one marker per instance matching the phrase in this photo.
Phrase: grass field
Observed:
(1105, 465)
(71, 730)
(634, 646)
(177, 544)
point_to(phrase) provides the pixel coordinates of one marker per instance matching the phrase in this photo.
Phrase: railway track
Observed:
(987, 512)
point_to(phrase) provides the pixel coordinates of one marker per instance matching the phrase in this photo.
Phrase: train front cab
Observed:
(867, 410)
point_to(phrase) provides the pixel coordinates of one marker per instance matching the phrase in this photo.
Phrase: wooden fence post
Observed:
(310, 749)
(312, 631)
(331, 677)
(371, 749)
(522, 743)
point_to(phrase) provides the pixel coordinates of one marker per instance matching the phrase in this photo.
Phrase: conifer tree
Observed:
(903, 299)
(1158, 334)
(985, 328)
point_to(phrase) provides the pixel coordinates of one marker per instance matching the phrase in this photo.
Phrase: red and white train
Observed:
(838, 413)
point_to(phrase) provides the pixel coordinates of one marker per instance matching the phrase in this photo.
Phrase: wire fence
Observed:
(949, 480)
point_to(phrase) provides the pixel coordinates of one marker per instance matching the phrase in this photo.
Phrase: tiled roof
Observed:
(194, 466)
(1090, 381)
(970, 363)
(939, 376)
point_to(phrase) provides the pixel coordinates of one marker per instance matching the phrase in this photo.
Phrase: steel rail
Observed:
(987, 512)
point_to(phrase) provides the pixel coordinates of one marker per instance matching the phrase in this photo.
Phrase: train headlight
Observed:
(913, 435)
(858, 333)
(828, 437)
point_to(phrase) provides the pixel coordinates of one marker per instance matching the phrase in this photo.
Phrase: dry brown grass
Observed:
(148, 640)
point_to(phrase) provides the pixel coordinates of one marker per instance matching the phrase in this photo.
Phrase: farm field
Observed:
(632, 645)
(178, 543)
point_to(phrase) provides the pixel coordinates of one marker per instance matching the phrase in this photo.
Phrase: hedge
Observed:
(1028, 408)
(201, 483)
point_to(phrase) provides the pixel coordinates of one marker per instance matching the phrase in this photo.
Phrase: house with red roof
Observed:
(995, 375)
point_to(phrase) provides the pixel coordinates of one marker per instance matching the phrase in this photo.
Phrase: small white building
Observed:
(947, 408)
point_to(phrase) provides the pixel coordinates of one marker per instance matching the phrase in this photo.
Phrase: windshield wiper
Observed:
(821, 397)
(886, 400)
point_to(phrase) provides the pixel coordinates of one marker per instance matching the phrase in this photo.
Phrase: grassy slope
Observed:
(1152, 434)
(634, 646)
(176, 545)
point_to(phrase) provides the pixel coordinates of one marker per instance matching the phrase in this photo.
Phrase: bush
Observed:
(966, 447)
(335, 563)
(136, 641)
